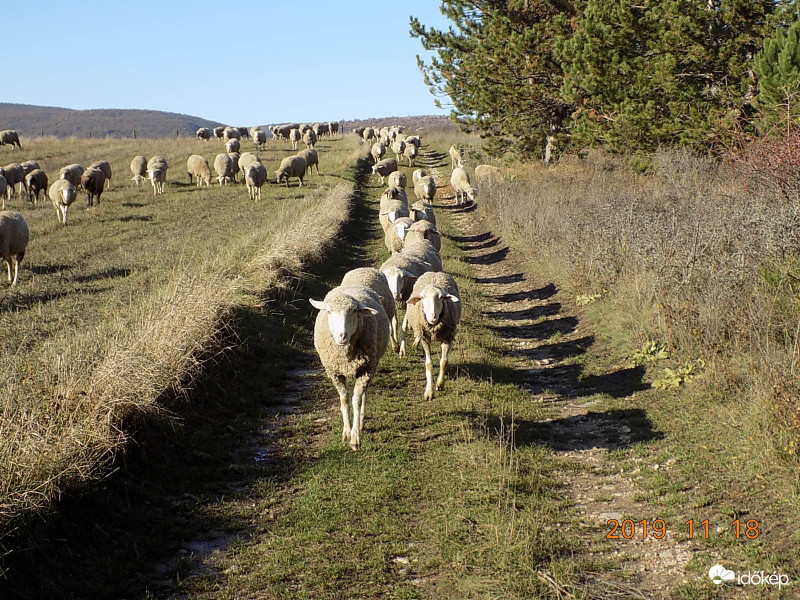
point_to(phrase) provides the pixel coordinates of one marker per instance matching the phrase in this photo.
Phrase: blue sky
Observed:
(240, 63)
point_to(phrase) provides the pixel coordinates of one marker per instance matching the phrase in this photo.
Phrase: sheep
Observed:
(197, 166)
(14, 175)
(378, 151)
(359, 131)
(417, 175)
(259, 138)
(105, 167)
(421, 211)
(310, 138)
(253, 130)
(223, 165)
(369, 135)
(425, 189)
(414, 140)
(393, 192)
(72, 173)
(204, 133)
(219, 131)
(291, 166)
(488, 174)
(235, 161)
(456, 156)
(9, 136)
(93, 181)
(433, 314)
(333, 128)
(459, 179)
(410, 153)
(424, 230)
(35, 182)
(351, 334)
(398, 178)
(233, 145)
(423, 250)
(294, 137)
(396, 234)
(255, 176)
(139, 169)
(14, 236)
(29, 165)
(384, 167)
(398, 147)
(230, 133)
(394, 209)
(311, 157)
(156, 161)
(376, 281)
(3, 188)
(158, 177)
(245, 160)
(242, 131)
(62, 194)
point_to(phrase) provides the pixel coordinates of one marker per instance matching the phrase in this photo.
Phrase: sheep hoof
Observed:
(346, 436)
(355, 445)
(428, 394)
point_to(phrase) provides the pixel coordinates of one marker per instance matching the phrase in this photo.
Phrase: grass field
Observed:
(117, 308)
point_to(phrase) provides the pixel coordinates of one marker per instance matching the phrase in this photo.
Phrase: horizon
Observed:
(346, 62)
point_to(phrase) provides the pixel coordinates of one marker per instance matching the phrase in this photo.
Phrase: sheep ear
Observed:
(318, 304)
(413, 300)
(408, 274)
(451, 297)
(365, 310)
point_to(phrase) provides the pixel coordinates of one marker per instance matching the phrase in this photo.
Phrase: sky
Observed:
(241, 63)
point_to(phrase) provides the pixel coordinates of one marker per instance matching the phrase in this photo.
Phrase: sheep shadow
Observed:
(109, 273)
(136, 218)
(491, 258)
(538, 331)
(48, 269)
(133, 204)
(526, 314)
(542, 293)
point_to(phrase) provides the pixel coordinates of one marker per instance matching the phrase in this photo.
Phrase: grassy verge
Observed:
(117, 310)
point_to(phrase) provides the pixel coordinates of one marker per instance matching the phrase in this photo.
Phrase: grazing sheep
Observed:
(14, 175)
(139, 169)
(351, 334)
(255, 176)
(72, 173)
(422, 211)
(378, 151)
(456, 156)
(14, 236)
(245, 160)
(259, 138)
(417, 175)
(294, 137)
(311, 157)
(410, 153)
(3, 188)
(29, 165)
(233, 145)
(376, 281)
(93, 181)
(384, 167)
(396, 234)
(156, 161)
(394, 210)
(9, 136)
(291, 166)
(204, 133)
(35, 182)
(62, 194)
(197, 166)
(398, 178)
(105, 167)
(219, 131)
(488, 174)
(459, 179)
(158, 177)
(235, 160)
(223, 165)
(434, 310)
(425, 189)
(231, 133)
(398, 147)
(310, 138)
(424, 230)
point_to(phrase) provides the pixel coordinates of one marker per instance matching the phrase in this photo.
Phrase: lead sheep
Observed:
(291, 166)
(139, 169)
(223, 165)
(351, 334)
(9, 136)
(14, 236)
(35, 182)
(460, 181)
(433, 314)
(197, 167)
(311, 157)
(62, 194)
(255, 176)
(398, 147)
(384, 167)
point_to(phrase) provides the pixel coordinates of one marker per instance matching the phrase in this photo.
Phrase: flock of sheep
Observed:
(358, 319)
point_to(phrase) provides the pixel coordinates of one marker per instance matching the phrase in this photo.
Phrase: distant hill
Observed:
(32, 121)
(412, 124)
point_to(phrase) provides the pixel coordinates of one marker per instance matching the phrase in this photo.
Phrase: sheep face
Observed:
(397, 278)
(343, 317)
(432, 299)
(402, 230)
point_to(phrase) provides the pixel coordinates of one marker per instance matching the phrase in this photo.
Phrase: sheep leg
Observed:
(8, 266)
(426, 347)
(341, 388)
(393, 333)
(402, 340)
(359, 400)
(16, 270)
(443, 365)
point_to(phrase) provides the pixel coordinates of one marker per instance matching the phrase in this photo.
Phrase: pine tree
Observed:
(778, 69)
(497, 66)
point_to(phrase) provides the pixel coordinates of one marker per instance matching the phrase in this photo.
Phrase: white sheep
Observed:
(378, 151)
(398, 147)
(259, 138)
(410, 153)
(310, 138)
(235, 160)
(311, 157)
(158, 177)
(425, 189)
(14, 236)
(424, 230)
(291, 166)
(35, 182)
(62, 194)
(376, 281)
(393, 210)
(422, 211)
(351, 334)
(398, 178)
(460, 181)
(417, 175)
(197, 167)
(14, 174)
(456, 156)
(203, 133)
(223, 165)
(384, 167)
(396, 234)
(488, 174)
(294, 137)
(72, 173)
(139, 168)
(255, 176)
(231, 133)
(434, 310)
